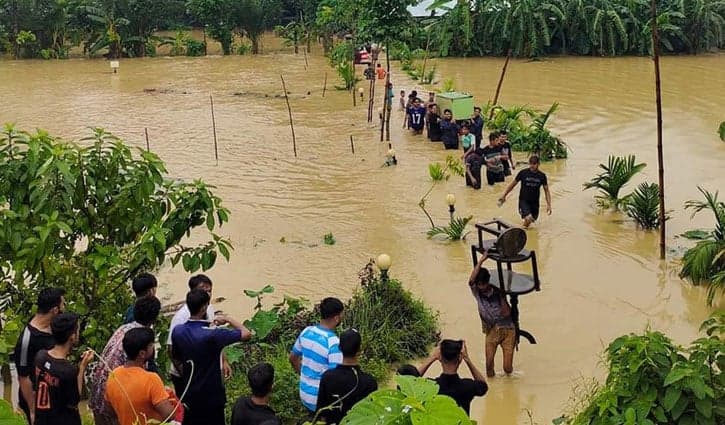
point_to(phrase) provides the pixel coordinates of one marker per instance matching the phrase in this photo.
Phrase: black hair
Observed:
(477, 108)
(447, 110)
(451, 350)
(330, 307)
(379, 65)
(136, 340)
(483, 276)
(49, 298)
(503, 132)
(466, 126)
(146, 310)
(493, 136)
(414, 92)
(350, 342)
(402, 91)
(199, 279)
(143, 283)
(408, 370)
(261, 378)
(63, 327)
(196, 299)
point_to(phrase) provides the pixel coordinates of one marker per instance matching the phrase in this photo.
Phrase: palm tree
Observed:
(705, 262)
(617, 173)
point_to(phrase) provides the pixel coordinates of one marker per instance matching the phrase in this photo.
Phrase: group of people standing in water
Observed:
(496, 158)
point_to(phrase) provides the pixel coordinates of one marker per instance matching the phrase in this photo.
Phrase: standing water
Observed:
(601, 277)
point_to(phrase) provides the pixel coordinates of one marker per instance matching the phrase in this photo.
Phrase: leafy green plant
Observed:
(91, 217)
(705, 262)
(721, 131)
(617, 173)
(416, 402)
(194, 47)
(456, 229)
(448, 85)
(329, 239)
(8, 416)
(541, 142)
(178, 43)
(243, 48)
(346, 71)
(643, 206)
(652, 380)
(438, 173)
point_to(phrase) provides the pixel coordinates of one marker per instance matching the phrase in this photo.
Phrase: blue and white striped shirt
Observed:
(319, 349)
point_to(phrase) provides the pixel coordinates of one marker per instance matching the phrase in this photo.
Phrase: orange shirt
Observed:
(381, 73)
(132, 389)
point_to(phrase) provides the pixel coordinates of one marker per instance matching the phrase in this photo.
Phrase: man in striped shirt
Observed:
(317, 350)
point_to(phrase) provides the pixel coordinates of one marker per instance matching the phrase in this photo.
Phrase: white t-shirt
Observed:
(182, 316)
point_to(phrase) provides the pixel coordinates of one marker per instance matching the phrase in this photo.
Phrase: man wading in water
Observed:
(531, 182)
(495, 313)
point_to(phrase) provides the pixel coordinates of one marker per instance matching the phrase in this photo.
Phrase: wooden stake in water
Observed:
(213, 127)
(658, 98)
(146, 132)
(289, 110)
(500, 82)
(352, 145)
(324, 87)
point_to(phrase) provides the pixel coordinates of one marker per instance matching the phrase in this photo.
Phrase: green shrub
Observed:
(243, 48)
(643, 206)
(721, 131)
(651, 381)
(617, 173)
(8, 416)
(455, 231)
(194, 47)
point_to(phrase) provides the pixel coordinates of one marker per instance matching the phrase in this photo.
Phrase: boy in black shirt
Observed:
(506, 159)
(451, 353)
(531, 182)
(35, 336)
(342, 387)
(492, 157)
(255, 410)
(58, 382)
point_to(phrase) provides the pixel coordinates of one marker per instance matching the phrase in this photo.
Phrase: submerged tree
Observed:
(88, 218)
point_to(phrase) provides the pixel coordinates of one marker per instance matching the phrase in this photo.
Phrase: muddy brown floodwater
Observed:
(601, 277)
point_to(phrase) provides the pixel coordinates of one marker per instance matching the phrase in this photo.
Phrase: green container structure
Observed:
(461, 104)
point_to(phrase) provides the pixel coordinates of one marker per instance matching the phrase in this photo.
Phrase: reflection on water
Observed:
(600, 277)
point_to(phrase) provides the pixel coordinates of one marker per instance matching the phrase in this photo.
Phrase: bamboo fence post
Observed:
(146, 132)
(352, 145)
(500, 82)
(289, 111)
(658, 98)
(324, 86)
(213, 126)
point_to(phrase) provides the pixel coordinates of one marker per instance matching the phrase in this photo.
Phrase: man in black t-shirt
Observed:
(492, 157)
(58, 382)
(35, 336)
(506, 158)
(451, 353)
(255, 410)
(531, 182)
(342, 387)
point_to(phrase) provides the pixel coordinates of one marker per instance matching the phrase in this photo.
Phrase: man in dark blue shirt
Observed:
(196, 349)
(416, 115)
(477, 126)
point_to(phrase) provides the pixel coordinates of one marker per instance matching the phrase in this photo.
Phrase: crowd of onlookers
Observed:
(126, 385)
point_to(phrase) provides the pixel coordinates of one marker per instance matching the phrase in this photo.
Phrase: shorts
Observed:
(528, 208)
(494, 178)
(505, 337)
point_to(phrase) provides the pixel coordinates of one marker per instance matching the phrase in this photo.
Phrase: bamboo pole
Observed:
(352, 145)
(213, 126)
(500, 82)
(658, 98)
(324, 86)
(289, 111)
(388, 94)
(146, 132)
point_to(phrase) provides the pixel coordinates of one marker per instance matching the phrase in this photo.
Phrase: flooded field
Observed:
(600, 276)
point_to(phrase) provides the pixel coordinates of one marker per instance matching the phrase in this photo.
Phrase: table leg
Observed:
(515, 317)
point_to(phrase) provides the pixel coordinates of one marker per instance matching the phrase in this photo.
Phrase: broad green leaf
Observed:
(419, 388)
(704, 407)
(672, 395)
(676, 374)
(440, 410)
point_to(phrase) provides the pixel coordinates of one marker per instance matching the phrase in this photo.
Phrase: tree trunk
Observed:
(658, 98)
(255, 44)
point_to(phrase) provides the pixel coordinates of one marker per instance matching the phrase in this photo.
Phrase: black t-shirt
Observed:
(531, 182)
(31, 341)
(245, 412)
(506, 150)
(492, 152)
(56, 391)
(462, 390)
(338, 382)
(434, 127)
(449, 132)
